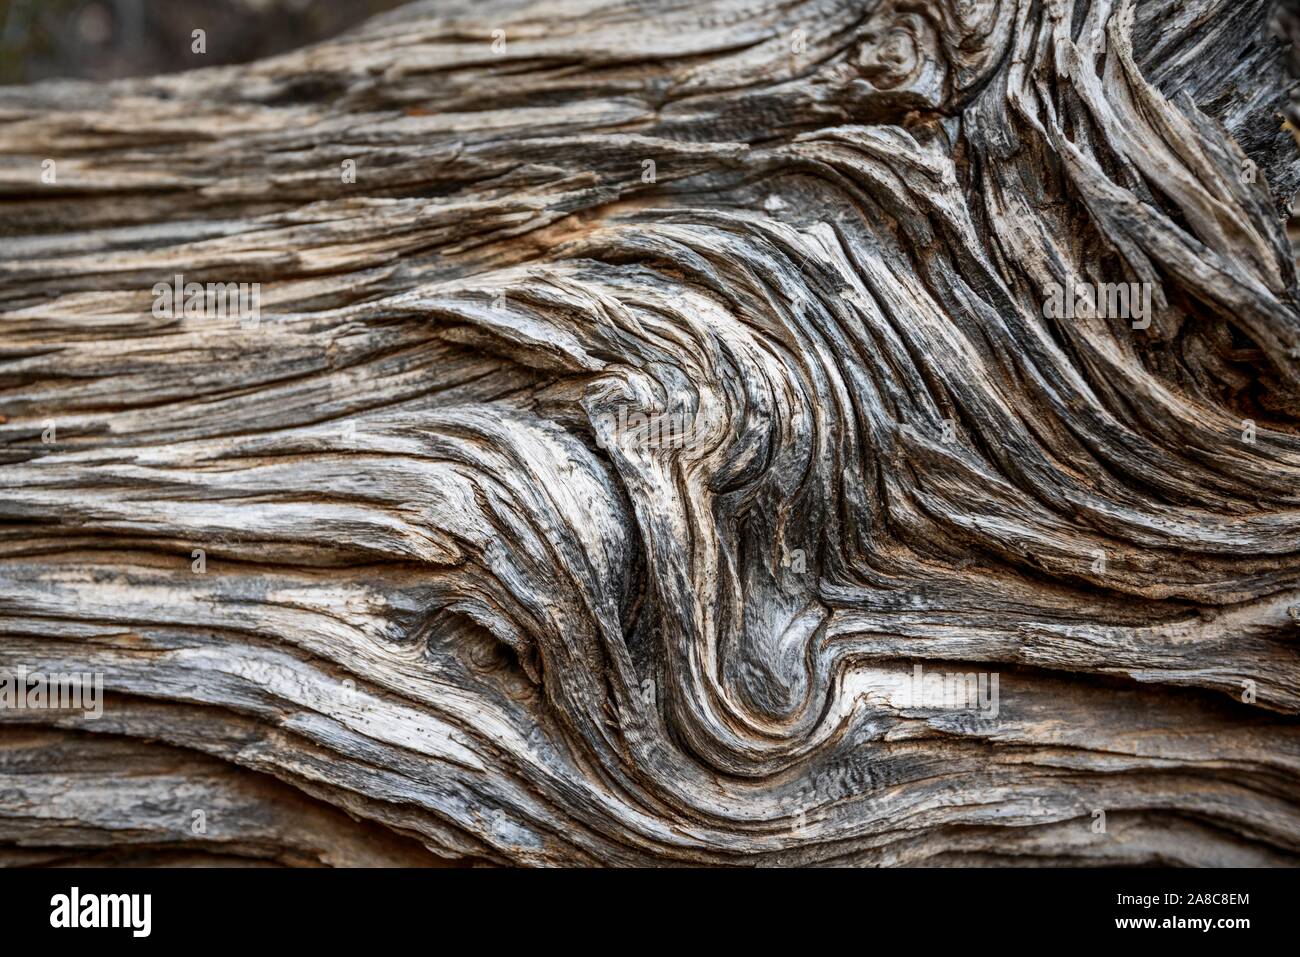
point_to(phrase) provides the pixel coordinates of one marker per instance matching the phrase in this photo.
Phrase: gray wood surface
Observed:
(450, 607)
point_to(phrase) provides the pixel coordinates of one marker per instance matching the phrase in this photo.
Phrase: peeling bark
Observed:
(672, 382)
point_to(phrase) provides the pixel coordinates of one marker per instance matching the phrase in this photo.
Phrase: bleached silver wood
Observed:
(445, 591)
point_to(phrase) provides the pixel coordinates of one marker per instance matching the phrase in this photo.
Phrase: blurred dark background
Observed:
(103, 39)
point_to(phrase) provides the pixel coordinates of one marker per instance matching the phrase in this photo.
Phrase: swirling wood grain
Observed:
(450, 599)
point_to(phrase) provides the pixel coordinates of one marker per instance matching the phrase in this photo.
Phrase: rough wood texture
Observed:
(449, 599)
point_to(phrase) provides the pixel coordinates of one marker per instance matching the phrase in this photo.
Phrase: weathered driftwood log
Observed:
(645, 411)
